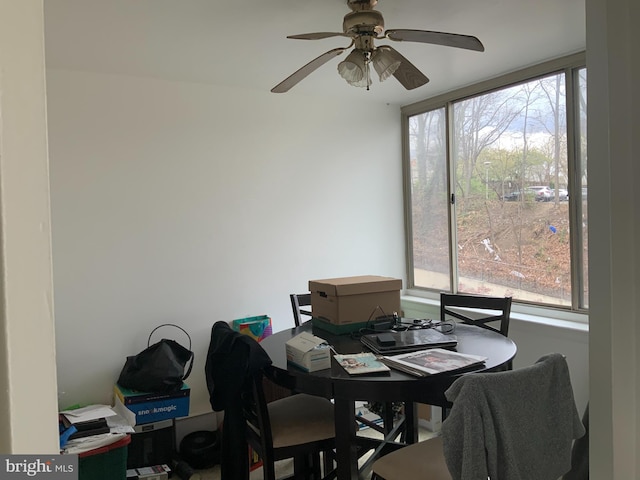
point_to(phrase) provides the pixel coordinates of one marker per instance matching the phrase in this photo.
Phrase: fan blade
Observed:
(407, 73)
(317, 35)
(300, 74)
(437, 38)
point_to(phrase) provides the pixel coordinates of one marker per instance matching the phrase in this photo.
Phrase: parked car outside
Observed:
(563, 194)
(512, 197)
(542, 193)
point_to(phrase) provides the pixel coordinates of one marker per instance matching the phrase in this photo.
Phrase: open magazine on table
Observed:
(361, 363)
(434, 360)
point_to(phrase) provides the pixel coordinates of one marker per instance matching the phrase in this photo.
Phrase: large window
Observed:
(497, 188)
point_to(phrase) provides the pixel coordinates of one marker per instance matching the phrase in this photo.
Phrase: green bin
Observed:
(105, 463)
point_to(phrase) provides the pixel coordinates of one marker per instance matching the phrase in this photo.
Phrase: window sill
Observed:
(523, 313)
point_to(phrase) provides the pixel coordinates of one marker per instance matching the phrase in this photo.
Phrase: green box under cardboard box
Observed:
(105, 463)
(154, 407)
(336, 329)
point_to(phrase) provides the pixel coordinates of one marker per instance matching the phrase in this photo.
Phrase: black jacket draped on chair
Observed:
(228, 369)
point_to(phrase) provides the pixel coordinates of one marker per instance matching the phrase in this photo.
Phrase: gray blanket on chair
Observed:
(514, 425)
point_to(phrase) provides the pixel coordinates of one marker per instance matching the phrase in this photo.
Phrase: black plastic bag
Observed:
(158, 368)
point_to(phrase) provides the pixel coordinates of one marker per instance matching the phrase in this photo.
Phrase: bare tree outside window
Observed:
(582, 165)
(510, 169)
(429, 199)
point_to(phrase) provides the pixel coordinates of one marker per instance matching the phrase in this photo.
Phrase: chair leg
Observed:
(387, 418)
(300, 463)
(268, 470)
(307, 467)
(409, 432)
(327, 463)
(314, 466)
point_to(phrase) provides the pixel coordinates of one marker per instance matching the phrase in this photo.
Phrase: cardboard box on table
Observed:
(346, 304)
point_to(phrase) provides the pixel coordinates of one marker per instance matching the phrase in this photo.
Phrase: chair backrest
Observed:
(233, 360)
(299, 300)
(258, 432)
(477, 310)
(519, 424)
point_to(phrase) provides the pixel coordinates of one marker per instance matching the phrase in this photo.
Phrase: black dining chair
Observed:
(299, 426)
(517, 424)
(299, 300)
(477, 310)
(492, 313)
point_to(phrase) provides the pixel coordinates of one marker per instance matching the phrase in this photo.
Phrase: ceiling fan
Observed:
(364, 25)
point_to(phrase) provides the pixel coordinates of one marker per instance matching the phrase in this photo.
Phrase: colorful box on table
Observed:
(154, 407)
(346, 304)
(258, 327)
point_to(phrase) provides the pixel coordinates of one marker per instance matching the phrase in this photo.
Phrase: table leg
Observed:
(387, 417)
(346, 448)
(411, 422)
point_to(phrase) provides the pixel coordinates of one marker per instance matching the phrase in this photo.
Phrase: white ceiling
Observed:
(243, 42)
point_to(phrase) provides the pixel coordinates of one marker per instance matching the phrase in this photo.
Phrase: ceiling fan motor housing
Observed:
(361, 4)
(367, 22)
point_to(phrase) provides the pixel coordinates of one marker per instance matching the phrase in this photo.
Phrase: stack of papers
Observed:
(98, 426)
(432, 361)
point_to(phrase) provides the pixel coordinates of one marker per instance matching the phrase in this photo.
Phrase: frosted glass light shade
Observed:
(384, 63)
(365, 81)
(353, 68)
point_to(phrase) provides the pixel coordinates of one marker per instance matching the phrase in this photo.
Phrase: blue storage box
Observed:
(154, 407)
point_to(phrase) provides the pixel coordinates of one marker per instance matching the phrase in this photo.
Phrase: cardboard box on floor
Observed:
(349, 300)
(430, 417)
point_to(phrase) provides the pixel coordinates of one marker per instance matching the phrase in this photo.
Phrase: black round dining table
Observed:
(393, 386)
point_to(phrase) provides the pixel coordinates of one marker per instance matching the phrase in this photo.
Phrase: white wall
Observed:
(28, 414)
(189, 203)
(614, 220)
(537, 339)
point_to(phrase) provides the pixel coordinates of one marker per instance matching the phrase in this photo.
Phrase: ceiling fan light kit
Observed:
(355, 69)
(352, 67)
(384, 62)
(364, 25)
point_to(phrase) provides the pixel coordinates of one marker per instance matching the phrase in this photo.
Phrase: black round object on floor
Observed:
(201, 449)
